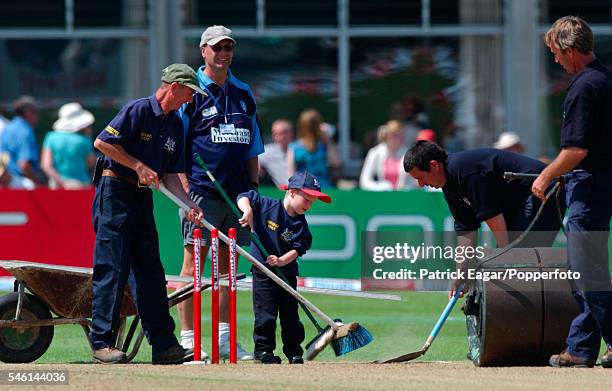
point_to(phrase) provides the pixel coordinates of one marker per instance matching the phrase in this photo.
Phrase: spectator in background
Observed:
(67, 156)
(383, 168)
(18, 140)
(509, 141)
(3, 122)
(5, 177)
(330, 133)
(412, 111)
(427, 135)
(451, 139)
(9, 181)
(273, 161)
(312, 151)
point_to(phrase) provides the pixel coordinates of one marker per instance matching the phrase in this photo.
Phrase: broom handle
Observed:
(278, 271)
(254, 261)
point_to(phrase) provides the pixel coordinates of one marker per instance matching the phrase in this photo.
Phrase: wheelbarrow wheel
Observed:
(26, 344)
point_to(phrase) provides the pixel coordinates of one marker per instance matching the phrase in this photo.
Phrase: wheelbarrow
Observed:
(26, 321)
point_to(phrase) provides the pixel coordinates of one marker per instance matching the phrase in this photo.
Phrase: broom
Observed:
(344, 338)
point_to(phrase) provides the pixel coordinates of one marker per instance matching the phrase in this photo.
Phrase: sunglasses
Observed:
(227, 47)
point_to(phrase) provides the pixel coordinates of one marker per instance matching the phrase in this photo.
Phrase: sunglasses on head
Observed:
(228, 47)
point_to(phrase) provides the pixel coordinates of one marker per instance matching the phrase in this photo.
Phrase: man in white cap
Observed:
(67, 155)
(221, 126)
(509, 141)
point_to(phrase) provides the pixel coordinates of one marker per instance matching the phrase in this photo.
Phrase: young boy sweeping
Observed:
(282, 229)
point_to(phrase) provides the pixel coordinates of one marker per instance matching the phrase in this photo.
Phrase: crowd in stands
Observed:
(67, 156)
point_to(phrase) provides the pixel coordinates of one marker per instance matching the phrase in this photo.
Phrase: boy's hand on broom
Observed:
(247, 219)
(247, 213)
(273, 260)
(287, 258)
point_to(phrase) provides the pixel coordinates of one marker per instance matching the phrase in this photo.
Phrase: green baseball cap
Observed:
(182, 74)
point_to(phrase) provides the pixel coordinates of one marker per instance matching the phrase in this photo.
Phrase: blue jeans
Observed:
(126, 239)
(589, 200)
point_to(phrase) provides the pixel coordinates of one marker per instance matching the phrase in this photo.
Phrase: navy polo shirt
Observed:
(475, 189)
(222, 128)
(278, 232)
(587, 116)
(149, 135)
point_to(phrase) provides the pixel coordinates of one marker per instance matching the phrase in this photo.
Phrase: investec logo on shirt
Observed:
(238, 135)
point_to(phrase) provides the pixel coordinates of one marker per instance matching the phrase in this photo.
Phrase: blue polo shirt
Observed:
(278, 232)
(475, 189)
(222, 128)
(587, 116)
(18, 141)
(149, 135)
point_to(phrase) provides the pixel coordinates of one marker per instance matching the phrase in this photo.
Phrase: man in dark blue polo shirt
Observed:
(476, 192)
(586, 148)
(221, 126)
(142, 145)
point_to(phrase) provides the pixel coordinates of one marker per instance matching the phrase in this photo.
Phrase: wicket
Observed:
(197, 303)
(232, 295)
(214, 301)
(197, 295)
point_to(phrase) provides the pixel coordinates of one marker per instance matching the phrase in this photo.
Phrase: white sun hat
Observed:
(507, 140)
(72, 118)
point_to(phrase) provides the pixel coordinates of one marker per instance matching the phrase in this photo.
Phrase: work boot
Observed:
(268, 358)
(565, 360)
(224, 351)
(173, 355)
(109, 355)
(187, 342)
(296, 360)
(606, 360)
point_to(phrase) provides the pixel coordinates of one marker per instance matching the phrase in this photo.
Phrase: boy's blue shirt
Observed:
(278, 232)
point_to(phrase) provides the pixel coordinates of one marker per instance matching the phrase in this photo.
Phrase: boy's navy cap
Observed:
(308, 183)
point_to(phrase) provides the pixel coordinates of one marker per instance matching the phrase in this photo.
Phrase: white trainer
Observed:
(224, 351)
(187, 343)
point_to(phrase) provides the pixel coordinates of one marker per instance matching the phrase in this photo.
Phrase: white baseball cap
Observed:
(215, 34)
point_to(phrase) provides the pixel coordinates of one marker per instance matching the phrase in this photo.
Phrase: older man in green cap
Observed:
(142, 145)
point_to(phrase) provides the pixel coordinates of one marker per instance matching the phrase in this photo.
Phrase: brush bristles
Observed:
(354, 340)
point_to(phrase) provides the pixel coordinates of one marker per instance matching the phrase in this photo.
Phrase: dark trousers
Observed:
(270, 301)
(545, 229)
(589, 199)
(126, 239)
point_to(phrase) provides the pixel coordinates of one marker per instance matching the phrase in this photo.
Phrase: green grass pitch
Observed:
(397, 327)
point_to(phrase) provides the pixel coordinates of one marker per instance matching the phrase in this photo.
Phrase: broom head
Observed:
(344, 339)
